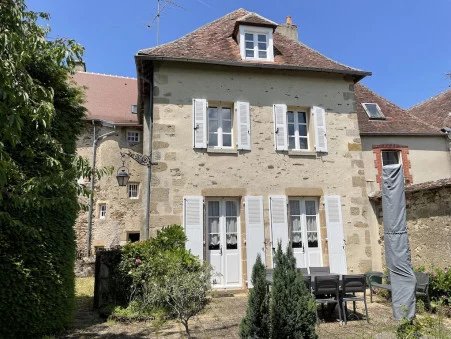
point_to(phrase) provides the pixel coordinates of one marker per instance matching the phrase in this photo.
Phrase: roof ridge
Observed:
(429, 99)
(198, 28)
(107, 75)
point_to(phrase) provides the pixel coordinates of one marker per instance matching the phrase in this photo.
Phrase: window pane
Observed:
(291, 143)
(212, 113)
(373, 110)
(310, 208)
(213, 209)
(311, 224)
(296, 223)
(262, 46)
(303, 130)
(262, 38)
(249, 45)
(213, 242)
(296, 240)
(227, 126)
(232, 241)
(231, 210)
(249, 53)
(249, 36)
(294, 207)
(312, 239)
(262, 55)
(227, 140)
(226, 114)
(390, 157)
(290, 116)
(213, 224)
(303, 143)
(212, 139)
(213, 125)
(301, 117)
(291, 129)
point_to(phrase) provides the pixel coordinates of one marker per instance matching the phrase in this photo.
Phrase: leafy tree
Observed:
(292, 310)
(41, 116)
(256, 322)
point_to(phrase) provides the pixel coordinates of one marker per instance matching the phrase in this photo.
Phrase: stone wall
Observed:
(183, 170)
(429, 226)
(123, 214)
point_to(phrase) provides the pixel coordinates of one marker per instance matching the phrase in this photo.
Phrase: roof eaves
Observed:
(417, 134)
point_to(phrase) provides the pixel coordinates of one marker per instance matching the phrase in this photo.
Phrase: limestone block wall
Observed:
(123, 214)
(183, 170)
(428, 226)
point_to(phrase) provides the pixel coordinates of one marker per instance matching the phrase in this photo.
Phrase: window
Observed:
(133, 137)
(133, 236)
(134, 109)
(219, 127)
(297, 130)
(373, 110)
(133, 190)
(256, 43)
(304, 223)
(390, 158)
(102, 211)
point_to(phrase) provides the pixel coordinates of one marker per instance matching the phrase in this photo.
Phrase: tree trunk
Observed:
(185, 323)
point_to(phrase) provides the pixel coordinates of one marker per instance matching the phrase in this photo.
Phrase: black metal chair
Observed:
(319, 270)
(352, 284)
(422, 287)
(327, 291)
(375, 280)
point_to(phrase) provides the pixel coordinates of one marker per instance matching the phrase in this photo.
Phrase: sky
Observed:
(405, 44)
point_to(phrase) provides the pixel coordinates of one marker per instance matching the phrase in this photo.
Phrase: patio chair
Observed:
(308, 282)
(375, 280)
(352, 284)
(303, 270)
(422, 287)
(326, 291)
(319, 270)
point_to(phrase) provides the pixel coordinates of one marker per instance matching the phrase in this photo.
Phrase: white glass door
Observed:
(223, 240)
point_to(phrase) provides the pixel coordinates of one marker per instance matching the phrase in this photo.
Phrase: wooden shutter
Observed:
(319, 116)
(255, 233)
(335, 235)
(200, 123)
(193, 222)
(280, 127)
(244, 125)
(279, 224)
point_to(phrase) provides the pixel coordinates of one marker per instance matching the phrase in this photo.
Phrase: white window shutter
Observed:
(244, 125)
(319, 116)
(200, 123)
(280, 127)
(193, 222)
(255, 233)
(279, 223)
(335, 235)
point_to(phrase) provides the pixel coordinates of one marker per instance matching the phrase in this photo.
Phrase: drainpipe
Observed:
(93, 172)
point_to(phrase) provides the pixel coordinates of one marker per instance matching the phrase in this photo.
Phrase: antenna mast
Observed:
(161, 5)
(158, 22)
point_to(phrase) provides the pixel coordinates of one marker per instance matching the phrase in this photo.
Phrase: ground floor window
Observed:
(133, 236)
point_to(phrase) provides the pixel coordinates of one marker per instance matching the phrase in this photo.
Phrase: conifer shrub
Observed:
(256, 322)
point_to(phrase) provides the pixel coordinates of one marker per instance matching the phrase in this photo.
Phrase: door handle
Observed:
(220, 250)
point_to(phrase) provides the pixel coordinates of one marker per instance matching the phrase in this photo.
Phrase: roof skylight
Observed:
(373, 110)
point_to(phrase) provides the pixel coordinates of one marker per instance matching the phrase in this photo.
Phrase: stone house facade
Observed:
(257, 141)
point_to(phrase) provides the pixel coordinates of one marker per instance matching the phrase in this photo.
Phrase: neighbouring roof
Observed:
(397, 120)
(424, 186)
(109, 97)
(436, 110)
(214, 43)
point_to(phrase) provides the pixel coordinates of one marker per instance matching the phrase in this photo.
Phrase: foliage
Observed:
(292, 309)
(440, 284)
(256, 322)
(41, 116)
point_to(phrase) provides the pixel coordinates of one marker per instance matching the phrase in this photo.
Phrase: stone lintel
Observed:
(223, 192)
(304, 191)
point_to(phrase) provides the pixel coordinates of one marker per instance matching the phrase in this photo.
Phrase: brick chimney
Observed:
(288, 29)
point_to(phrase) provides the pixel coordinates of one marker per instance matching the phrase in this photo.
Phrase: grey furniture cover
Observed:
(397, 250)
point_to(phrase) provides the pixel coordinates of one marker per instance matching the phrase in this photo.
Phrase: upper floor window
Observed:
(373, 110)
(133, 137)
(390, 158)
(102, 211)
(256, 43)
(219, 122)
(297, 130)
(133, 190)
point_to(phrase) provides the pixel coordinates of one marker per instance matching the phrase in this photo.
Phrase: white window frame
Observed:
(296, 123)
(102, 211)
(256, 31)
(391, 150)
(382, 117)
(219, 131)
(129, 191)
(133, 136)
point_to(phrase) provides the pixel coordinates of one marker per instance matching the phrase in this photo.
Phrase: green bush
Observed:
(41, 117)
(256, 322)
(292, 309)
(440, 284)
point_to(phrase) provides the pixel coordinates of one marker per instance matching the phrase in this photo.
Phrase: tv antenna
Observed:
(161, 5)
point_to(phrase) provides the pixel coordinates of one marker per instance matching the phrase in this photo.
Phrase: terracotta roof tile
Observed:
(397, 120)
(109, 97)
(214, 43)
(437, 110)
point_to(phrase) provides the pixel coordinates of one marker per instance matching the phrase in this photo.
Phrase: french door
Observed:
(223, 242)
(304, 232)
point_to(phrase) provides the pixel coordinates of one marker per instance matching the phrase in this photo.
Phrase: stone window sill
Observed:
(298, 153)
(222, 150)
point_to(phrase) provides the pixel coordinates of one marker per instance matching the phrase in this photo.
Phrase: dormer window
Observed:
(256, 43)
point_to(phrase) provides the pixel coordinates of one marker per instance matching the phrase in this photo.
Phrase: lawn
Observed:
(220, 319)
